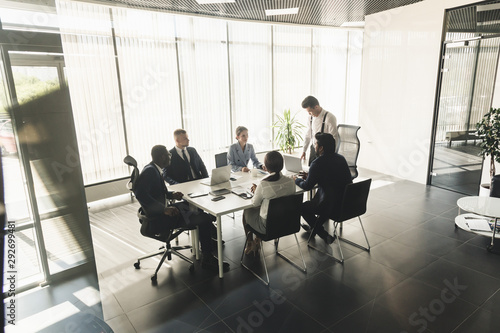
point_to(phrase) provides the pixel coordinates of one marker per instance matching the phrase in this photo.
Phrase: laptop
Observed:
(293, 164)
(219, 175)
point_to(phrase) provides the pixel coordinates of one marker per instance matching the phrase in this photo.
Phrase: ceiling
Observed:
(482, 18)
(331, 13)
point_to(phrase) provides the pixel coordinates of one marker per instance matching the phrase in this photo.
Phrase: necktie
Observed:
(190, 176)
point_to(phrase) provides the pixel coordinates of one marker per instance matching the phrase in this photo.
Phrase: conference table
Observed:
(231, 203)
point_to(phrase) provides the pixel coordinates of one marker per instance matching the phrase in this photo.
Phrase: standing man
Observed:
(320, 120)
(186, 164)
(331, 173)
(152, 194)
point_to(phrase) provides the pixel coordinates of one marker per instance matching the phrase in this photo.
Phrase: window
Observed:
(205, 75)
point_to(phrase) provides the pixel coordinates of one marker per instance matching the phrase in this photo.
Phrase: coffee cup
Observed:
(255, 172)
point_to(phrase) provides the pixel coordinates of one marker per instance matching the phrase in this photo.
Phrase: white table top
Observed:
(485, 206)
(231, 203)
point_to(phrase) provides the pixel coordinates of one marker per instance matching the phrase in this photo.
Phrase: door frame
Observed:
(438, 97)
(44, 50)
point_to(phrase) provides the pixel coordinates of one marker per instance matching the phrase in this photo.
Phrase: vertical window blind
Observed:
(135, 76)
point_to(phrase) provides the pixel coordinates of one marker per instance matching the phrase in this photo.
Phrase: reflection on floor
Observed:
(421, 275)
(458, 167)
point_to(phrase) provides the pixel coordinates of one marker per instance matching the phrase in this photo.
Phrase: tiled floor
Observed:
(421, 275)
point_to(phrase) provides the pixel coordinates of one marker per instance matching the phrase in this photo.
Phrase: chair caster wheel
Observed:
(191, 268)
(489, 248)
(153, 278)
(137, 265)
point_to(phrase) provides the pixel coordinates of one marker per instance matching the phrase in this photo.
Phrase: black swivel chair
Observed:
(283, 219)
(167, 250)
(349, 146)
(353, 205)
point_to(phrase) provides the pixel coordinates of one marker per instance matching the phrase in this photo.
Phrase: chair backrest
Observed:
(221, 159)
(130, 161)
(354, 200)
(349, 146)
(283, 216)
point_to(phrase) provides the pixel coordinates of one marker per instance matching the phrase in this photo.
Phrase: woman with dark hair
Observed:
(272, 186)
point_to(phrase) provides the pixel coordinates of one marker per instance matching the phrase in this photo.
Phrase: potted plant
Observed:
(289, 131)
(489, 131)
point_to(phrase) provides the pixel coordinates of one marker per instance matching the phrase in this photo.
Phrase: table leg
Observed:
(493, 236)
(196, 238)
(219, 246)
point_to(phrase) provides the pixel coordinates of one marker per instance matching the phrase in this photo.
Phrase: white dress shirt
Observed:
(266, 191)
(317, 123)
(179, 151)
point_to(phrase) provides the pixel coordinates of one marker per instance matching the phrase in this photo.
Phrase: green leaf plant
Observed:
(289, 131)
(489, 131)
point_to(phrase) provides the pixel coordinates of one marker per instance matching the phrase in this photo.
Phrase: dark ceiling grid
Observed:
(311, 12)
(468, 19)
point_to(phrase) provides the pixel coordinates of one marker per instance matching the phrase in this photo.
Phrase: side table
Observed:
(485, 207)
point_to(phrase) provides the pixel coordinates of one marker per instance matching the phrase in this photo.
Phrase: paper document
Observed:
(478, 225)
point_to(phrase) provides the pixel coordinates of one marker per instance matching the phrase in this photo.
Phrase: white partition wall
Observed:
(401, 52)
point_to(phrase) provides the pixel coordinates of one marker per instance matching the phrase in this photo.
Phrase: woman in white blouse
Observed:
(272, 186)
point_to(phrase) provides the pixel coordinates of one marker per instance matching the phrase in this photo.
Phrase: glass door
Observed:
(34, 75)
(466, 87)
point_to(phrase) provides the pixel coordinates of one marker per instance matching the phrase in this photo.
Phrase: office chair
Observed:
(221, 159)
(166, 250)
(349, 146)
(353, 205)
(283, 219)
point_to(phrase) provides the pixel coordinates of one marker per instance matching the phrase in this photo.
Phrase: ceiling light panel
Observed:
(285, 11)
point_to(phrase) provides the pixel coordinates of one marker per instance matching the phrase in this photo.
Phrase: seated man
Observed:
(331, 173)
(186, 164)
(152, 194)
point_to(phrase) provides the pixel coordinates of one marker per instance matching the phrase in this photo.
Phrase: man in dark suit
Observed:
(152, 194)
(186, 164)
(331, 173)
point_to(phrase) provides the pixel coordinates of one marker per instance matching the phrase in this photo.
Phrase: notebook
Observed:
(293, 164)
(219, 175)
(244, 192)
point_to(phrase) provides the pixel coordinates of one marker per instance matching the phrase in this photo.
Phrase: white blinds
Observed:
(291, 69)
(251, 78)
(145, 43)
(95, 97)
(204, 69)
(207, 76)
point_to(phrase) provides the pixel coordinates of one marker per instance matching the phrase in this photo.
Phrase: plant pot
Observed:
(484, 190)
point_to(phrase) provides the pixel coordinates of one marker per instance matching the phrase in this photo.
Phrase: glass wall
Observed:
(135, 76)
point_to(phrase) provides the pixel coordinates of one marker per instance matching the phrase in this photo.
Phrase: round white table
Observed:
(484, 207)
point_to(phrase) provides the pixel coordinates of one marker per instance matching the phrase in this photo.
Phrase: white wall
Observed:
(398, 84)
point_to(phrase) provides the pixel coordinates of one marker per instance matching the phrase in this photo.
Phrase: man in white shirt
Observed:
(321, 121)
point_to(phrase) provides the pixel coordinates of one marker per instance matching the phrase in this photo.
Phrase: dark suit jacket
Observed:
(331, 173)
(151, 192)
(177, 171)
